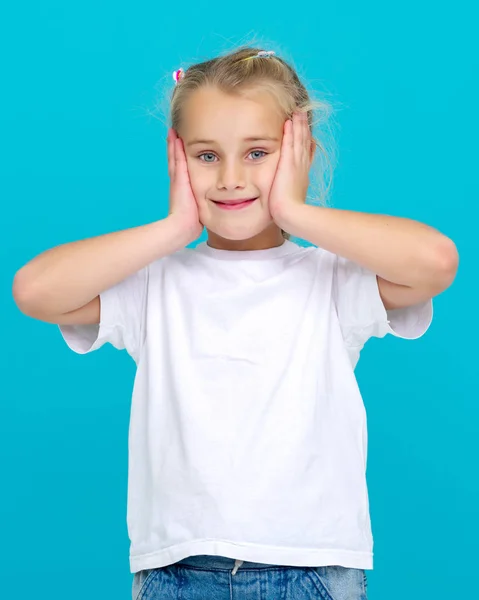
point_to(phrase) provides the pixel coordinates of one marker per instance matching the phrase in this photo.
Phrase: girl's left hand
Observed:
(291, 182)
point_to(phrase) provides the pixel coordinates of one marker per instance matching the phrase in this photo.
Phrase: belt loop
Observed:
(238, 564)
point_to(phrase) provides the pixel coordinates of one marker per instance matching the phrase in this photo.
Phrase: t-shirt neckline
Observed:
(287, 247)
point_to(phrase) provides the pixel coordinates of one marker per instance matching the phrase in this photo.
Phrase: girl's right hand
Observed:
(183, 205)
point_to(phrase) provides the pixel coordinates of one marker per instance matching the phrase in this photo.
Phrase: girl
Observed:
(248, 439)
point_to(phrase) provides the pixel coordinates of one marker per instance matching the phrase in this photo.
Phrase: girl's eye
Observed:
(260, 151)
(211, 154)
(206, 154)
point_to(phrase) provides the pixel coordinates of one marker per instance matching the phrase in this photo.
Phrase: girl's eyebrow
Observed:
(263, 138)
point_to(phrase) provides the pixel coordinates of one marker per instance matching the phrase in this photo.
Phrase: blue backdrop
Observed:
(82, 156)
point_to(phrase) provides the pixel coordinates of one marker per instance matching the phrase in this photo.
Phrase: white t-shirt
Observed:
(248, 433)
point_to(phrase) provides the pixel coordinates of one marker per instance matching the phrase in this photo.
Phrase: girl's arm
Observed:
(413, 261)
(68, 277)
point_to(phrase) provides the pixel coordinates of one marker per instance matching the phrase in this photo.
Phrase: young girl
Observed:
(248, 439)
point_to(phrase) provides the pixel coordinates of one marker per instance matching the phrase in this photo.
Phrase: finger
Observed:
(171, 153)
(294, 135)
(182, 173)
(307, 132)
(299, 139)
(304, 143)
(287, 145)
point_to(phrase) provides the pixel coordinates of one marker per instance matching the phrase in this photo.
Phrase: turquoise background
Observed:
(81, 157)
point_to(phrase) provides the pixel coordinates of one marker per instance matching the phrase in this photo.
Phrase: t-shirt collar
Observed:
(287, 247)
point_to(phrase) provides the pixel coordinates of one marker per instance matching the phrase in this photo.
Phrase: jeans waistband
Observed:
(207, 561)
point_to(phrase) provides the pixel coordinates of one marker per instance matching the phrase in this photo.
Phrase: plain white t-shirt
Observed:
(248, 434)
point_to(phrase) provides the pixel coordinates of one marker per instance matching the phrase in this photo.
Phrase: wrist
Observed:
(184, 231)
(291, 217)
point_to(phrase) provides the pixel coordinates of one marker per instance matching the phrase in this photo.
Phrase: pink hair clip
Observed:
(178, 74)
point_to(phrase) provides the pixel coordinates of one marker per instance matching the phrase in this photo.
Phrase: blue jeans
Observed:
(219, 578)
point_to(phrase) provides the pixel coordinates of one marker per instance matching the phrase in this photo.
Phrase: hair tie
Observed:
(178, 75)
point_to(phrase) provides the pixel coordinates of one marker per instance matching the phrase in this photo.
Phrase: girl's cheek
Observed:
(267, 178)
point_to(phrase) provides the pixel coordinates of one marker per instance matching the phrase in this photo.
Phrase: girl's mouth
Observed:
(234, 206)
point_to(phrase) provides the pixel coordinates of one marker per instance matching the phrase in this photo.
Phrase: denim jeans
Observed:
(220, 578)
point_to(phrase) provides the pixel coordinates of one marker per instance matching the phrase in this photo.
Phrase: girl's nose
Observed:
(231, 175)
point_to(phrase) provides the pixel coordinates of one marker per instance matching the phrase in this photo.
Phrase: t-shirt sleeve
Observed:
(122, 319)
(361, 311)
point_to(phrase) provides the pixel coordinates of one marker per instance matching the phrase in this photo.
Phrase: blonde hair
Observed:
(231, 74)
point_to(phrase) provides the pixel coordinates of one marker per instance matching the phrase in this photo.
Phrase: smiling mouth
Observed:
(232, 204)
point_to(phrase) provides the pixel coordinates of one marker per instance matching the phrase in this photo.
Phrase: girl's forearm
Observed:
(400, 250)
(69, 276)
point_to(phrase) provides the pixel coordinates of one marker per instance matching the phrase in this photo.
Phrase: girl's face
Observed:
(232, 147)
